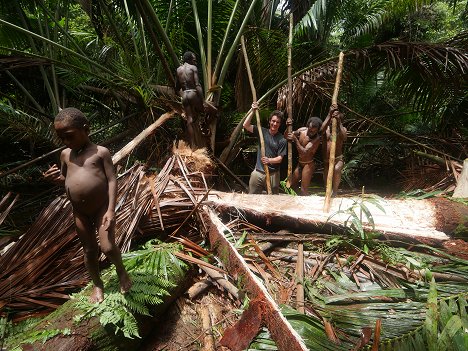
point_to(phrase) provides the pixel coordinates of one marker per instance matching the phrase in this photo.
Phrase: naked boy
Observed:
(91, 186)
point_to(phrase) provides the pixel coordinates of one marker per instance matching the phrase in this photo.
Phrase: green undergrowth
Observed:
(154, 271)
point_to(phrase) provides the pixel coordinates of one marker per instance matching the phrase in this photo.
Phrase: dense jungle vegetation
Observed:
(403, 91)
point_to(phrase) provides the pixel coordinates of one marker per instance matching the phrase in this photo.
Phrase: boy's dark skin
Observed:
(341, 135)
(191, 91)
(91, 186)
(307, 140)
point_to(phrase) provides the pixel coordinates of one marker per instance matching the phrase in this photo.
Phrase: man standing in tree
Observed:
(307, 140)
(341, 135)
(192, 93)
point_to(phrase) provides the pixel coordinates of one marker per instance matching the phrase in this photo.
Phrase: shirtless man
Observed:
(307, 141)
(192, 92)
(91, 186)
(341, 135)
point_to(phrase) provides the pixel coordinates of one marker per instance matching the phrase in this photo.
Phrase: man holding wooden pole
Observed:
(332, 142)
(327, 140)
(275, 150)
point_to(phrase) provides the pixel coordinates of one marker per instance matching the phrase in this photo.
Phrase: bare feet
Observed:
(125, 283)
(97, 295)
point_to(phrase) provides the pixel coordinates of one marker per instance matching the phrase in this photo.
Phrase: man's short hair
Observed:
(188, 56)
(314, 122)
(276, 113)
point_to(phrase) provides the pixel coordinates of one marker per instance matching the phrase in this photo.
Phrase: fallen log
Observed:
(431, 221)
(90, 335)
(262, 310)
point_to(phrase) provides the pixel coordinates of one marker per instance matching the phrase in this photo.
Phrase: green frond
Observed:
(152, 270)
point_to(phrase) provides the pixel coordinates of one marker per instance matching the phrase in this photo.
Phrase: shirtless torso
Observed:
(86, 182)
(307, 141)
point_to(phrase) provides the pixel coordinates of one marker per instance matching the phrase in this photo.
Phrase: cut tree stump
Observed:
(429, 221)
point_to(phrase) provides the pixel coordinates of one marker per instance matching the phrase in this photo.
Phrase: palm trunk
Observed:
(430, 221)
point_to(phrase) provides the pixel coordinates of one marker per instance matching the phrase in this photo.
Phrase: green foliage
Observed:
(289, 191)
(154, 270)
(357, 213)
(41, 336)
(419, 194)
(444, 327)
(12, 336)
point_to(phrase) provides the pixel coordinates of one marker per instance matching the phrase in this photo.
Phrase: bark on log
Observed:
(430, 221)
(90, 335)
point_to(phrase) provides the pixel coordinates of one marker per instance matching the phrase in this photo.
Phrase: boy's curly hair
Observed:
(73, 117)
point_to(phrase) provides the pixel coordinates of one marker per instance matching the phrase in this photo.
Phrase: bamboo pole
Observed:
(331, 159)
(259, 125)
(290, 115)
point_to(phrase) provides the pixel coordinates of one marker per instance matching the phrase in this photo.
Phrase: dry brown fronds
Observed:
(195, 160)
(46, 263)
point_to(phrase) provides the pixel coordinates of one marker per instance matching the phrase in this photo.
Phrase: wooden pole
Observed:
(331, 159)
(300, 277)
(290, 115)
(259, 125)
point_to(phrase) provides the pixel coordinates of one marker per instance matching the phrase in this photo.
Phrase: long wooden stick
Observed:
(259, 125)
(331, 159)
(300, 277)
(290, 115)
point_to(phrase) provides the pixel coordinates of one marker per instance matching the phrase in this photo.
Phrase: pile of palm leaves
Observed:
(392, 298)
(46, 263)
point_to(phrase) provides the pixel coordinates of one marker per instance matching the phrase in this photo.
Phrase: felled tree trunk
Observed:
(90, 335)
(431, 221)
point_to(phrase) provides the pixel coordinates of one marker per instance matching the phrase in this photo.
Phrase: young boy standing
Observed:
(91, 186)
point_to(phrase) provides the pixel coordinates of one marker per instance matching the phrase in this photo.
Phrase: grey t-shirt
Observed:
(275, 145)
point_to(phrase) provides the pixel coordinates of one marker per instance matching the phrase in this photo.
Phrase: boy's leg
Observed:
(307, 172)
(337, 176)
(112, 252)
(295, 178)
(87, 235)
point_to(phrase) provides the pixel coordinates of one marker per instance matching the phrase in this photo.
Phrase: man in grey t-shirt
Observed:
(275, 150)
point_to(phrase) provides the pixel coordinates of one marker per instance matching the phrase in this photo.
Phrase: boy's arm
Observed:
(311, 146)
(342, 131)
(111, 179)
(56, 175)
(177, 87)
(197, 83)
(327, 121)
